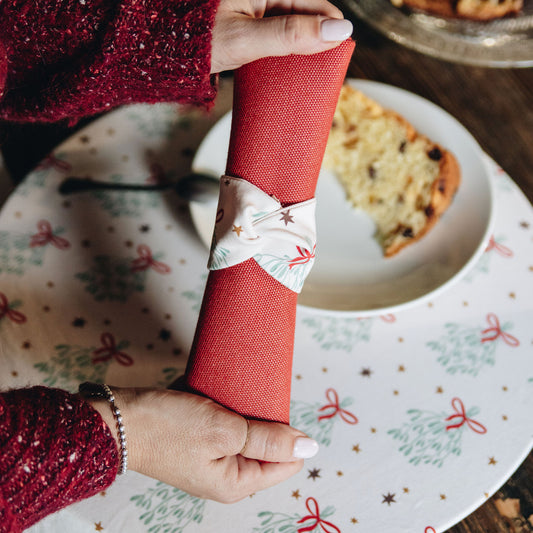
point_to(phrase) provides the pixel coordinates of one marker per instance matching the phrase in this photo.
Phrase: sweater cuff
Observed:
(55, 450)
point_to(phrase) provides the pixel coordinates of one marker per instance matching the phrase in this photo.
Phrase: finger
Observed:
(273, 442)
(310, 7)
(236, 477)
(296, 34)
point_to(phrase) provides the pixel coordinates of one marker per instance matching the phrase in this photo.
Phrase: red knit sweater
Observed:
(63, 60)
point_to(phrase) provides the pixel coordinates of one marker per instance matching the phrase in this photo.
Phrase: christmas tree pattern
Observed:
(116, 279)
(73, 364)
(126, 203)
(52, 163)
(339, 333)
(430, 437)
(494, 247)
(168, 510)
(160, 121)
(317, 420)
(195, 295)
(8, 311)
(314, 521)
(464, 350)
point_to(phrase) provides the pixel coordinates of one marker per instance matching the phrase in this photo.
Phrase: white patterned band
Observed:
(252, 224)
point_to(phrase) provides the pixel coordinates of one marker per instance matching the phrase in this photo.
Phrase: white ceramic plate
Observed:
(351, 275)
(506, 42)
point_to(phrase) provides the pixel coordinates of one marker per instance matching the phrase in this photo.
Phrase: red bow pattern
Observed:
(495, 332)
(430, 529)
(328, 527)
(109, 350)
(146, 261)
(51, 161)
(499, 248)
(333, 398)
(459, 418)
(46, 236)
(304, 257)
(6, 311)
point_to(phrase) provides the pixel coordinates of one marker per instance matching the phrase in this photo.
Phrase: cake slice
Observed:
(400, 178)
(468, 9)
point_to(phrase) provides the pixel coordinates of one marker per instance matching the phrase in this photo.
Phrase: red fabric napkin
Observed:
(282, 111)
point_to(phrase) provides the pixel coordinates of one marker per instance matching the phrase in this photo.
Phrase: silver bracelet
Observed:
(90, 390)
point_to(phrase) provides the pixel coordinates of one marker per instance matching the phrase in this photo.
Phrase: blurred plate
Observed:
(506, 42)
(350, 274)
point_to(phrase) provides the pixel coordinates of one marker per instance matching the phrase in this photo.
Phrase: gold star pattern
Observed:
(287, 217)
(400, 339)
(366, 372)
(524, 224)
(354, 520)
(296, 494)
(504, 388)
(98, 526)
(492, 461)
(512, 295)
(388, 498)
(373, 430)
(406, 490)
(443, 496)
(465, 304)
(237, 230)
(401, 368)
(396, 392)
(504, 417)
(298, 376)
(356, 449)
(85, 139)
(340, 473)
(324, 369)
(439, 390)
(314, 473)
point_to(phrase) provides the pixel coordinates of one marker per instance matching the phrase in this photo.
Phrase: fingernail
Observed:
(304, 448)
(335, 29)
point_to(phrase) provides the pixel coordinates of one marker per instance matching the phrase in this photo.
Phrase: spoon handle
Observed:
(74, 185)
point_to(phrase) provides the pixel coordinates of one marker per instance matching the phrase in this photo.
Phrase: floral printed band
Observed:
(252, 224)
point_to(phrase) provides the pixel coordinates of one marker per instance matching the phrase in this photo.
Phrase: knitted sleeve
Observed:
(64, 59)
(55, 449)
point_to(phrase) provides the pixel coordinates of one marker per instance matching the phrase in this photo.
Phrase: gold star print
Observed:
(314, 473)
(324, 369)
(373, 430)
(339, 473)
(84, 139)
(237, 230)
(439, 390)
(400, 339)
(296, 494)
(512, 295)
(492, 461)
(504, 417)
(355, 448)
(287, 217)
(354, 521)
(443, 496)
(102, 493)
(524, 224)
(406, 490)
(298, 376)
(98, 526)
(401, 368)
(396, 392)
(504, 388)
(388, 498)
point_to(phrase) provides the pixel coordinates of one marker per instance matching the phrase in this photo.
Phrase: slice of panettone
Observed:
(400, 178)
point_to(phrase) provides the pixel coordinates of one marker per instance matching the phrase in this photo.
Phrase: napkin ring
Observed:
(252, 224)
(99, 391)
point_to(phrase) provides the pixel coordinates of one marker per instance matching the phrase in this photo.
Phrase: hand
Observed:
(246, 30)
(196, 445)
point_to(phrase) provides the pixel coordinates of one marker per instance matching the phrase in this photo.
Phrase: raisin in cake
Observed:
(468, 9)
(403, 180)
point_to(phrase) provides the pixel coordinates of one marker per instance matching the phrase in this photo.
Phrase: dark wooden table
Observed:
(495, 105)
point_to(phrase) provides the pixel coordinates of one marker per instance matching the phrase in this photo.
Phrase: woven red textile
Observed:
(282, 112)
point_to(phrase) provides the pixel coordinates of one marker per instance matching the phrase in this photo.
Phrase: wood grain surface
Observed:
(495, 105)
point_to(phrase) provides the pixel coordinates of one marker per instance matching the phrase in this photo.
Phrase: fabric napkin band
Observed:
(252, 224)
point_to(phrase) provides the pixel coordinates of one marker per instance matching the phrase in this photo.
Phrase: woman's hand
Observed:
(196, 445)
(246, 30)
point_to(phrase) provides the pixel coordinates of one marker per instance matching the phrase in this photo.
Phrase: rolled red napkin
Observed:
(282, 112)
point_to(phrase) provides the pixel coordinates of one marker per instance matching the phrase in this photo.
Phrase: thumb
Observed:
(297, 34)
(276, 443)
